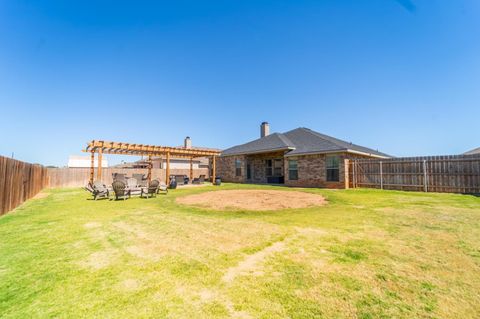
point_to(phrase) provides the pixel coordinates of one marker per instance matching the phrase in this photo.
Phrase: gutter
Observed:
(290, 148)
(338, 151)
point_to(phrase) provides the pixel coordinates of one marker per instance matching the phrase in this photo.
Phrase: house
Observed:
(78, 161)
(300, 157)
(475, 151)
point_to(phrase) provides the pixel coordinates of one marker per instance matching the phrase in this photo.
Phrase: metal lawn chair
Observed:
(141, 181)
(133, 187)
(118, 177)
(151, 190)
(120, 189)
(99, 190)
(162, 188)
(199, 180)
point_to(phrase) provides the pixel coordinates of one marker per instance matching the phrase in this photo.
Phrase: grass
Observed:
(367, 254)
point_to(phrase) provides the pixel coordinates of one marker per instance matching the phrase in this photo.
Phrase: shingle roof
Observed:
(272, 142)
(473, 152)
(299, 141)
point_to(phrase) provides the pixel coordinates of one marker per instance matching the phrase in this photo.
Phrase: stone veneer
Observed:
(225, 168)
(312, 172)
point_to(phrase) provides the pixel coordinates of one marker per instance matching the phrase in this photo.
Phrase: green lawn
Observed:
(367, 254)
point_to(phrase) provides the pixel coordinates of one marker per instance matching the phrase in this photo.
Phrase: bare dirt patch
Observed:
(253, 199)
(251, 263)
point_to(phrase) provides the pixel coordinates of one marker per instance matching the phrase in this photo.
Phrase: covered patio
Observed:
(149, 151)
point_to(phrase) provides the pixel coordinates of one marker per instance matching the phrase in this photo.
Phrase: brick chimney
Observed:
(188, 142)
(264, 129)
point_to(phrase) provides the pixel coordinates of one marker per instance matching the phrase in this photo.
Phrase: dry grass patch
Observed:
(251, 264)
(253, 200)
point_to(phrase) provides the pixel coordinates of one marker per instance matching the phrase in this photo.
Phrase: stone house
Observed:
(300, 157)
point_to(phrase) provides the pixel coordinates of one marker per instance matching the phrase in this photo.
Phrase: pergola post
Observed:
(191, 169)
(92, 166)
(213, 169)
(149, 175)
(99, 168)
(167, 172)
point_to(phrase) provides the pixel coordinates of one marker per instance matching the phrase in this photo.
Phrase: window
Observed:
(269, 168)
(277, 167)
(238, 167)
(292, 170)
(333, 168)
(273, 167)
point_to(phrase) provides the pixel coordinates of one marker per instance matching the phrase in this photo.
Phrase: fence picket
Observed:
(452, 174)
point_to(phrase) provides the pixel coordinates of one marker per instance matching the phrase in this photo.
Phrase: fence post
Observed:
(381, 175)
(425, 184)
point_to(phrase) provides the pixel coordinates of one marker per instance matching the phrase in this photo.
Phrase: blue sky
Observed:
(395, 75)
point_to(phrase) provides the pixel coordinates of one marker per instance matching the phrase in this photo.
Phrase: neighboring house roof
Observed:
(300, 141)
(473, 152)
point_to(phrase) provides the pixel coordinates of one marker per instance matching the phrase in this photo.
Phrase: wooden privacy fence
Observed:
(79, 177)
(446, 174)
(19, 181)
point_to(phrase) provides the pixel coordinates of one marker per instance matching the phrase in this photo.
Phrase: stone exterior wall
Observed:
(225, 169)
(312, 171)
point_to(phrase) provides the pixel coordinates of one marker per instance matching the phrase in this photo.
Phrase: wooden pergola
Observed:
(149, 151)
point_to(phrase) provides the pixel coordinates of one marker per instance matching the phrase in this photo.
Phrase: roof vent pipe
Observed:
(264, 129)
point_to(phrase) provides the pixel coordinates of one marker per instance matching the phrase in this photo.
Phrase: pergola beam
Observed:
(119, 148)
(140, 149)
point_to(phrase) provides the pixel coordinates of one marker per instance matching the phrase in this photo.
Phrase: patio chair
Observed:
(99, 190)
(119, 177)
(133, 187)
(199, 180)
(151, 190)
(162, 188)
(141, 181)
(120, 190)
(89, 187)
(181, 179)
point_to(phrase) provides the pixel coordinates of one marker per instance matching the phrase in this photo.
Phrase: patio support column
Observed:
(213, 169)
(99, 168)
(92, 166)
(346, 171)
(191, 169)
(167, 172)
(149, 175)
